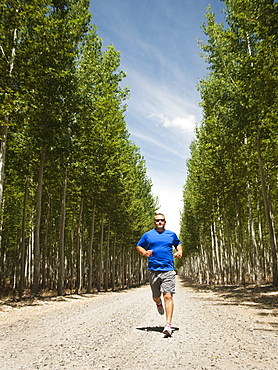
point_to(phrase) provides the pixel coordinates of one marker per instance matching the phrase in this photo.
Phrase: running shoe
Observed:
(168, 330)
(160, 308)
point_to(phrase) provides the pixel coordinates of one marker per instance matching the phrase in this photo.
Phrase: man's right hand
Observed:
(144, 252)
(148, 253)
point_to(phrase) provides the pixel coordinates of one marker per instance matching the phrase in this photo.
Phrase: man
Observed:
(157, 245)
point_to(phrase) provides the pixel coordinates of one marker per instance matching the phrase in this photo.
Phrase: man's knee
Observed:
(168, 296)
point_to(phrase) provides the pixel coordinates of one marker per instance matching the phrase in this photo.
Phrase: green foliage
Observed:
(62, 95)
(227, 225)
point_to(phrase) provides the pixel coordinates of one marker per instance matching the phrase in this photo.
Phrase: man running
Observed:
(157, 245)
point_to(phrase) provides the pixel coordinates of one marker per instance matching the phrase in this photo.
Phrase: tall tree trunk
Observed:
(4, 134)
(107, 257)
(61, 264)
(90, 251)
(261, 243)
(230, 262)
(45, 260)
(241, 257)
(22, 241)
(78, 247)
(222, 251)
(3, 147)
(123, 261)
(253, 236)
(72, 248)
(267, 207)
(100, 255)
(4, 128)
(128, 269)
(114, 262)
(36, 275)
(216, 254)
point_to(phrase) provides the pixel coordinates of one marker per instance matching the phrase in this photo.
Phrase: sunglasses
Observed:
(162, 220)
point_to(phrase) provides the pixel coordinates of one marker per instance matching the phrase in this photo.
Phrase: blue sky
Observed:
(157, 40)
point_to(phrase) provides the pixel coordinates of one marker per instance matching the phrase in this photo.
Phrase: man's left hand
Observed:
(178, 254)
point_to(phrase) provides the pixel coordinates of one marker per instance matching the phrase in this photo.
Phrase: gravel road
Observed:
(122, 330)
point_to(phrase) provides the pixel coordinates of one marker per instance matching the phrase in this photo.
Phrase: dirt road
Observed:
(122, 330)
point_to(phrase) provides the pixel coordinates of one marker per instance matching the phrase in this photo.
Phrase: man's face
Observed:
(159, 221)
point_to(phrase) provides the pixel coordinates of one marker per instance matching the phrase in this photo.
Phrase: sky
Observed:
(158, 44)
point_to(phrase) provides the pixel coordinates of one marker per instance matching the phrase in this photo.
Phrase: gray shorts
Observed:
(162, 282)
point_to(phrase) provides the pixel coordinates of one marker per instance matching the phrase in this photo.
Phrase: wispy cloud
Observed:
(157, 143)
(167, 95)
(186, 123)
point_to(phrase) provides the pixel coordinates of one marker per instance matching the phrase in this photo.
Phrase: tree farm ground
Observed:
(220, 327)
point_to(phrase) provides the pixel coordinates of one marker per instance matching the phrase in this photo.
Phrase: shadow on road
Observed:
(155, 328)
(264, 297)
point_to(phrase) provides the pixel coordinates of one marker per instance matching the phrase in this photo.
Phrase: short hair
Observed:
(159, 214)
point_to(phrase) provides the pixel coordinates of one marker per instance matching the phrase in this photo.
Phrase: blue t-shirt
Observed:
(161, 243)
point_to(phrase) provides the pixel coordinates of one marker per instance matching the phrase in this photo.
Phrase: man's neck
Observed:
(159, 229)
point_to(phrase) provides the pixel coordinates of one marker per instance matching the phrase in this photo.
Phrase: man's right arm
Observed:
(143, 251)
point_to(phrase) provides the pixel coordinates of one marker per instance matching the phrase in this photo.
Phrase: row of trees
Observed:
(231, 194)
(75, 196)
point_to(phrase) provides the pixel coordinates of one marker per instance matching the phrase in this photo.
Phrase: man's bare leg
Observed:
(157, 300)
(169, 306)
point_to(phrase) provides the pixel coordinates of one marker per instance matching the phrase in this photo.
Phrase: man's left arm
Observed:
(178, 254)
